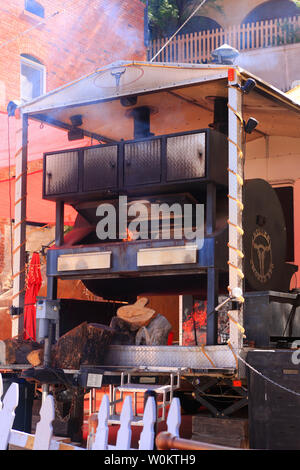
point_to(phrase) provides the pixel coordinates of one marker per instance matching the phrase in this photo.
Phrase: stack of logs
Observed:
(86, 344)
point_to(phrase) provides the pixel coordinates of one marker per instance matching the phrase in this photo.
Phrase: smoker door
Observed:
(186, 156)
(142, 162)
(61, 173)
(100, 168)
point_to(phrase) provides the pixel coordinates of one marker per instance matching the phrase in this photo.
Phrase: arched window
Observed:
(200, 23)
(33, 77)
(271, 10)
(35, 8)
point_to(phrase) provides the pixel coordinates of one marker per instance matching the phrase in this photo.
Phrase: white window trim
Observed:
(36, 65)
(33, 15)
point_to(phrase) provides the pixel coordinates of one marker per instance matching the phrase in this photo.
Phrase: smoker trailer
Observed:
(178, 133)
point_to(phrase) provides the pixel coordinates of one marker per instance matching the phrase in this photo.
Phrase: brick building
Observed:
(51, 42)
(45, 44)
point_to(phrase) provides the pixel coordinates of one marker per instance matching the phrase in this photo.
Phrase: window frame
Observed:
(35, 64)
(26, 10)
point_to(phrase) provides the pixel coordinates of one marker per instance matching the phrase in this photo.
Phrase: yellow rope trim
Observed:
(239, 203)
(20, 176)
(239, 229)
(236, 114)
(239, 271)
(238, 177)
(18, 293)
(207, 356)
(240, 327)
(19, 223)
(18, 274)
(240, 151)
(18, 247)
(20, 149)
(239, 252)
(20, 199)
(234, 355)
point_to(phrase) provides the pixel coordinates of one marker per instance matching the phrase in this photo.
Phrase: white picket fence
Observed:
(44, 440)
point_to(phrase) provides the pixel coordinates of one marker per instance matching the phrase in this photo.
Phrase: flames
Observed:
(129, 237)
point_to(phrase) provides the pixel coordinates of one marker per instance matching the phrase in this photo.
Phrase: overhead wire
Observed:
(37, 25)
(179, 29)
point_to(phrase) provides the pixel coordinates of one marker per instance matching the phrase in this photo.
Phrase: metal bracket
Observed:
(242, 399)
(16, 310)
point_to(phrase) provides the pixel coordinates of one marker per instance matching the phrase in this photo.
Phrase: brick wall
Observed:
(85, 34)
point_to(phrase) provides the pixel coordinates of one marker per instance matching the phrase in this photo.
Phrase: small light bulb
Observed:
(237, 292)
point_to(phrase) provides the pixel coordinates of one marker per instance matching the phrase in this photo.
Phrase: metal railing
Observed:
(197, 47)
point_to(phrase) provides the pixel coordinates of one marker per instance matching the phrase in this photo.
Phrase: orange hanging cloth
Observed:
(34, 282)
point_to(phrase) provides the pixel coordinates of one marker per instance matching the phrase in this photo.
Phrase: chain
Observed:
(75, 395)
(267, 378)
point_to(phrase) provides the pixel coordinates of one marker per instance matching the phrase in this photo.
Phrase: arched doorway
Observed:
(271, 10)
(279, 28)
(200, 23)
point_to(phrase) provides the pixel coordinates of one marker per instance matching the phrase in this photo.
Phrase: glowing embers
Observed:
(194, 323)
(129, 236)
(168, 217)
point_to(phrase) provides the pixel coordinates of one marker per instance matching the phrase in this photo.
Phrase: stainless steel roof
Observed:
(180, 97)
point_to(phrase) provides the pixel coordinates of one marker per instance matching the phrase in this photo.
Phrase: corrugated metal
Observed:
(171, 356)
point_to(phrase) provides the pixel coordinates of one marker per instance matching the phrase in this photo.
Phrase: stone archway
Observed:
(200, 23)
(272, 9)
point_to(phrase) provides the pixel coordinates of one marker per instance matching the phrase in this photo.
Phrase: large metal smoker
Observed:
(175, 133)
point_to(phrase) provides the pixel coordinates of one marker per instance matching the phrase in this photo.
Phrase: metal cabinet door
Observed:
(61, 173)
(100, 168)
(142, 162)
(186, 156)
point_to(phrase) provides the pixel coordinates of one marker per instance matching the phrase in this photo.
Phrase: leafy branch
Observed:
(165, 16)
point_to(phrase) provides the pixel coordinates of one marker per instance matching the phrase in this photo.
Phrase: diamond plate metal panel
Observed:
(191, 357)
(61, 173)
(100, 168)
(186, 156)
(142, 162)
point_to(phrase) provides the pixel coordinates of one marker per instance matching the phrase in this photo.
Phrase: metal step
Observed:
(136, 420)
(143, 388)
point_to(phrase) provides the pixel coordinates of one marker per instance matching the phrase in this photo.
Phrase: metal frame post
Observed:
(59, 225)
(19, 242)
(212, 273)
(51, 295)
(235, 194)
